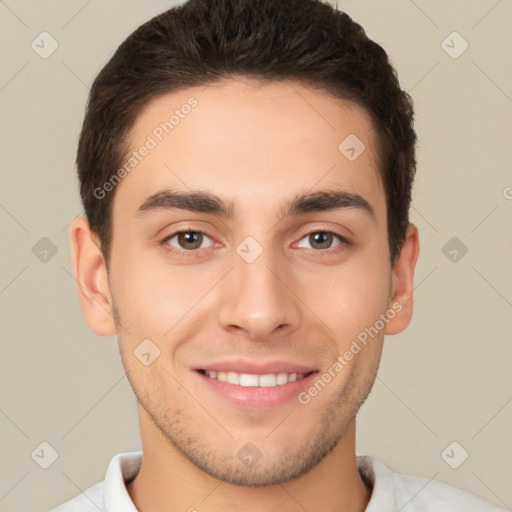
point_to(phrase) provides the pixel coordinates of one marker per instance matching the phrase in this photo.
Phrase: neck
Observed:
(168, 481)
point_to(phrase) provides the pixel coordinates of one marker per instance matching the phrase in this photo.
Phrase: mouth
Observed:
(267, 380)
(250, 386)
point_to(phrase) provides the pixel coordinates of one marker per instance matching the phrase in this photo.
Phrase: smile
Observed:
(252, 380)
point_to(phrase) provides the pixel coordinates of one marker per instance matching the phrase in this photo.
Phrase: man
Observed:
(246, 169)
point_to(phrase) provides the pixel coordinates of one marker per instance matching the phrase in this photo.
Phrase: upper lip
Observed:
(255, 368)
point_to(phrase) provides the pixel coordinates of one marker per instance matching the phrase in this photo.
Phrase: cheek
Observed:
(151, 299)
(348, 298)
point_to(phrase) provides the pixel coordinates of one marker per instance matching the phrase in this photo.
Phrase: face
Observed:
(250, 253)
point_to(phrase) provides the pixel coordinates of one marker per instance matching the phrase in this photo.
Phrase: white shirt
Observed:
(391, 492)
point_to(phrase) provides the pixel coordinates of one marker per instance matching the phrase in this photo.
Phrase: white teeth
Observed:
(267, 381)
(282, 378)
(249, 380)
(233, 378)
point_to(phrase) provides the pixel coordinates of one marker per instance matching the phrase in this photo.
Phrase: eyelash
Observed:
(183, 252)
(344, 243)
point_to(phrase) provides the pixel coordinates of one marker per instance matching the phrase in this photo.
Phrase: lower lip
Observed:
(256, 397)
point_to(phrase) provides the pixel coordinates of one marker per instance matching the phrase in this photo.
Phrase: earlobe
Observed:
(402, 282)
(91, 277)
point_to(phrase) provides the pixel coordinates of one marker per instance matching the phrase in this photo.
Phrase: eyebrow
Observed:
(325, 200)
(206, 202)
(196, 201)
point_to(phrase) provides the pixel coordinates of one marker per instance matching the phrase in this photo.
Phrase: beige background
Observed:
(447, 378)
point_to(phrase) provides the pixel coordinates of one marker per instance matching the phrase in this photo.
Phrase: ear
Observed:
(91, 277)
(402, 282)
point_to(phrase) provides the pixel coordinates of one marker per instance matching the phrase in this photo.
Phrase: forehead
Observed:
(251, 143)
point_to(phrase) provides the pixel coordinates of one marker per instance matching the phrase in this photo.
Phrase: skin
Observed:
(256, 146)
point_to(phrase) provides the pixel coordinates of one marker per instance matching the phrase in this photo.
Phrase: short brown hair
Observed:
(203, 41)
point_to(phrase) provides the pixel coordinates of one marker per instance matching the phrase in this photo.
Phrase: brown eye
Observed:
(189, 240)
(320, 240)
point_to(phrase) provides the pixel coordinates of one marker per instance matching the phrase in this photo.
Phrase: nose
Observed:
(258, 300)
